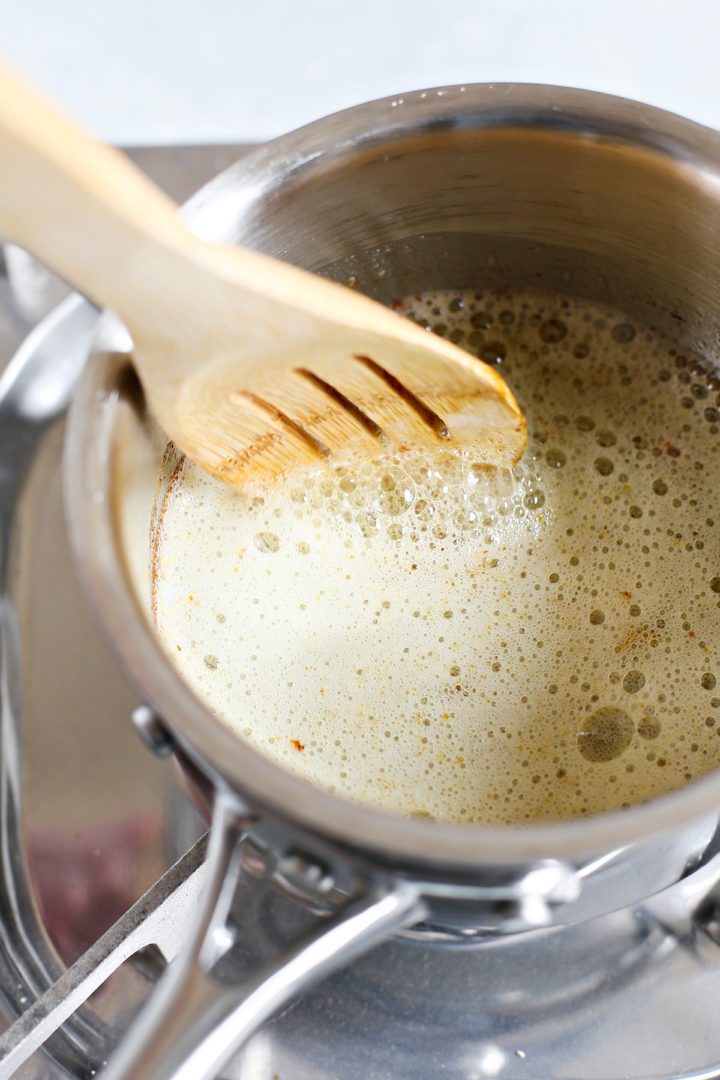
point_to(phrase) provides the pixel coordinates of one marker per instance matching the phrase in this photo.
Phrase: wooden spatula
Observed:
(251, 365)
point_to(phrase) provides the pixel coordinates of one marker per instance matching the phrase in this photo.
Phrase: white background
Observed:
(164, 71)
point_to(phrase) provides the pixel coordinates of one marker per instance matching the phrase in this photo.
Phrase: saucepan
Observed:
(447, 188)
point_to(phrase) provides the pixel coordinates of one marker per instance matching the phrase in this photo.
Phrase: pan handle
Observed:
(193, 1023)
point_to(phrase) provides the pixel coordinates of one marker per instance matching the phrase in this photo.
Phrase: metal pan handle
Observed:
(193, 1023)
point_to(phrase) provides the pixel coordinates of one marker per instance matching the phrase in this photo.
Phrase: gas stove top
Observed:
(102, 849)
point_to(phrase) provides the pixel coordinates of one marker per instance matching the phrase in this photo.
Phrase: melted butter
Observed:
(436, 638)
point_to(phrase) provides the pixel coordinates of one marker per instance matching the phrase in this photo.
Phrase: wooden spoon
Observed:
(250, 365)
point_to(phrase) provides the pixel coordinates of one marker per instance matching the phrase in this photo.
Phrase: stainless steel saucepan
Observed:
(456, 187)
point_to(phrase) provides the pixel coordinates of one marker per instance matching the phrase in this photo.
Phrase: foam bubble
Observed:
(606, 734)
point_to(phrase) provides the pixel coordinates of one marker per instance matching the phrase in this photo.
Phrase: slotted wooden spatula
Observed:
(250, 365)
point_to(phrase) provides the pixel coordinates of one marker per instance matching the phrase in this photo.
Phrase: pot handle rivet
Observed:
(151, 728)
(301, 870)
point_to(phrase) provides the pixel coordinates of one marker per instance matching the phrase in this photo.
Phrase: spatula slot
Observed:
(268, 411)
(345, 403)
(423, 411)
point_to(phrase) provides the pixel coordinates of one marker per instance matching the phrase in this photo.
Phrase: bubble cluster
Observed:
(408, 495)
(446, 640)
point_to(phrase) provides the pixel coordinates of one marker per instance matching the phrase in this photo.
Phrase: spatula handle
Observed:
(79, 206)
(85, 211)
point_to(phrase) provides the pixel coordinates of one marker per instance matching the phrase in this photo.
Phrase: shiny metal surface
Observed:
(34, 390)
(196, 1020)
(158, 920)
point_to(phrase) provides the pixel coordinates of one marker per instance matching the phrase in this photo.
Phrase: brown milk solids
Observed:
(436, 638)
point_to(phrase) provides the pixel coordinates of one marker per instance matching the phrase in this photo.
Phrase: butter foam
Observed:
(444, 640)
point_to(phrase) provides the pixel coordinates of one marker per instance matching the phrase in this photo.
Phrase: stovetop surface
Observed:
(632, 994)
